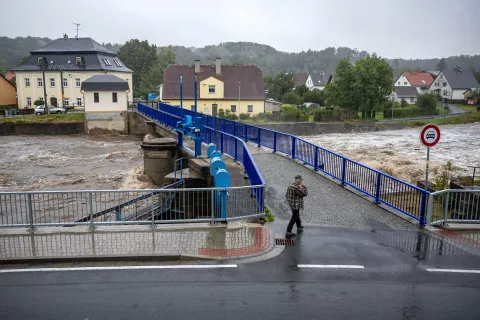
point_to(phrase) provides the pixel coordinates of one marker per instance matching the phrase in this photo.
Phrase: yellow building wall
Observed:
(205, 106)
(219, 90)
(7, 93)
(72, 91)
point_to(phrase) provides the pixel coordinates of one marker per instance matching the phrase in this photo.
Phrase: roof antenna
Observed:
(77, 28)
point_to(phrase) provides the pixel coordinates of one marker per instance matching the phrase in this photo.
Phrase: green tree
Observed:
(150, 81)
(315, 96)
(403, 103)
(280, 85)
(341, 92)
(289, 112)
(301, 90)
(38, 103)
(142, 59)
(292, 98)
(441, 65)
(427, 103)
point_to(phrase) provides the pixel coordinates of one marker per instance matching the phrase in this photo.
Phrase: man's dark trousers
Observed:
(295, 219)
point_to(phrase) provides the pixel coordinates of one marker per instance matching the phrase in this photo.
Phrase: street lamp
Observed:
(44, 66)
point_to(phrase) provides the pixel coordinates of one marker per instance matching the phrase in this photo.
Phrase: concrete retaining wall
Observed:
(42, 128)
(311, 128)
(105, 122)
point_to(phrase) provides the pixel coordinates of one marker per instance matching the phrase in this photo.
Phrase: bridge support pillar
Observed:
(158, 157)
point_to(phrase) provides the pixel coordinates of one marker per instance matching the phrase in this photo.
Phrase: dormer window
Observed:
(107, 63)
(39, 61)
(78, 61)
(117, 63)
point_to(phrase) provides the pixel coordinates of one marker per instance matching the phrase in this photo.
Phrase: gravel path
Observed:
(327, 203)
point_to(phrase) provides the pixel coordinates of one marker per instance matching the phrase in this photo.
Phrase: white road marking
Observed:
(192, 266)
(330, 266)
(453, 270)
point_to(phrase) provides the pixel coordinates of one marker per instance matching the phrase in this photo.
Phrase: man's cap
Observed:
(299, 177)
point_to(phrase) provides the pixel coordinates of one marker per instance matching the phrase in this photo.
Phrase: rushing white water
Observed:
(71, 163)
(400, 152)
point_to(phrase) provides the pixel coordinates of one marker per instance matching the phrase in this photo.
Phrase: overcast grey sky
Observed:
(391, 28)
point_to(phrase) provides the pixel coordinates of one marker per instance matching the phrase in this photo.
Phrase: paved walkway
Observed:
(238, 240)
(327, 203)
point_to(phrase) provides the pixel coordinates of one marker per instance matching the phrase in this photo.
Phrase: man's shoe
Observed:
(289, 235)
(300, 229)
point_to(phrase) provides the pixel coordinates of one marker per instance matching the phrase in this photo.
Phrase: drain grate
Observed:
(284, 242)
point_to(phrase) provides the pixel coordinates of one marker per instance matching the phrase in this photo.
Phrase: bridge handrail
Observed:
(383, 188)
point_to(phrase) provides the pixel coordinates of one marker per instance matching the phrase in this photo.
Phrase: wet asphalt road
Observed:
(394, 284)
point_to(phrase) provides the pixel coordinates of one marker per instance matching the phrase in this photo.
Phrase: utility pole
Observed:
(44, 66)
(61, 84)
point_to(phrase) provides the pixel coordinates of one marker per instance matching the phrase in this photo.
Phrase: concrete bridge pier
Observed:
(159, 158)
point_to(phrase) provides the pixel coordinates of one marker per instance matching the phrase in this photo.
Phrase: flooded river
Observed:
(71, 163)
(400, 153)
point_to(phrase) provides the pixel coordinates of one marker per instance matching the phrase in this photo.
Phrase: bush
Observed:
(427, 103)
(409, 112)
(39, 103)
(221, 113)
(403, 103)
(244, 116)
(289, 112)
(292, 98)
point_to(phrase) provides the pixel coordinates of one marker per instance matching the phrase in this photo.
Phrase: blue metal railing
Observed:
(228, 143)
(383, 188)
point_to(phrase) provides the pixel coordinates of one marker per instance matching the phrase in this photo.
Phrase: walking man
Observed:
(295, 194)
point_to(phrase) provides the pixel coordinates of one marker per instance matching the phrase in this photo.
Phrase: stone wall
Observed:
(42, 128)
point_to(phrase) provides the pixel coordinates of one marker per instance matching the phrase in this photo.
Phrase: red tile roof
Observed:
(419, 79)
(251, 78)
(300, 78)
(9, 75)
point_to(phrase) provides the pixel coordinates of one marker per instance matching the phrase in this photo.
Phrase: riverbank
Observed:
(55, 124)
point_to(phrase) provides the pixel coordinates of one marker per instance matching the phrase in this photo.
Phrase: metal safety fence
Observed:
(382, 188)
(454, 205)
(148, 206)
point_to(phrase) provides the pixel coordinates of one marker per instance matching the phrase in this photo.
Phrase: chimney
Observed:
(197, 66)
(218, 64)
(65, 36)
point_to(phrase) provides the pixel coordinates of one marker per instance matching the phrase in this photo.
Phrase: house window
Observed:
(117, 63)
(39, 82)
(29, 101)
(107, 63)
(405, 83)
(79, 101)
(77, 82)
(52, 83)
(192, 108)
(27, 82)
(66, 102)
(398, 82)
(445, 92)
(444, 84)
(65, 82)
(39, 61)
(114, 97)
(441, 76)
(250, 108)
(411, 100)
(96, 97)
(233, 108)
(211, 89)
(40, 98)
(78, 61)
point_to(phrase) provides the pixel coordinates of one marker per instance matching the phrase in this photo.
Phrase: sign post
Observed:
(429, 137)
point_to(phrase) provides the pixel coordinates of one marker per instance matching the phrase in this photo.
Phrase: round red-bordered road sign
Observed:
(430, 135)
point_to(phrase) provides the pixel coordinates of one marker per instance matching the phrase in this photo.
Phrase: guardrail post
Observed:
(377, 191)
(30, 214)
(259, 136)
(153, 225)
(315, 159)
(246, 133)
(274, 141)
(445, 208)
(212, 195)
(235, 155)
(429, 209)
(118, 213)
(344, 170)
(293, 147)
(423, 209)
(221, 142)
(90, 200)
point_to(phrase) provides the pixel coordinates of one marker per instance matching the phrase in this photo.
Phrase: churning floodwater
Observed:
(72, 162)
(401, 154)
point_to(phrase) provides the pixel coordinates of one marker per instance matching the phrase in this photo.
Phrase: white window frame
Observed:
(40, 82)
(79, 99)
(66, 102)
(211, 86)
(233, 108)
(65, 82)
(29, 101)
(250, 108)
(78, 82)
(27, 82)
(40, 98)
(405, 83)
(107, 62)
(39, 61)
(78, 61)
(117, 63)
(52, 80)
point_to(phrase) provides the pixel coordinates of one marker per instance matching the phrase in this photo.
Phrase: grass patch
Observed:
(467, 181)
(269, 215)
(470, 108)
(51, 118)
(467, 118)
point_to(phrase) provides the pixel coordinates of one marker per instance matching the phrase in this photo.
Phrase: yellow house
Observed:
(67, 63)
(8, 93)
(237, 88)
